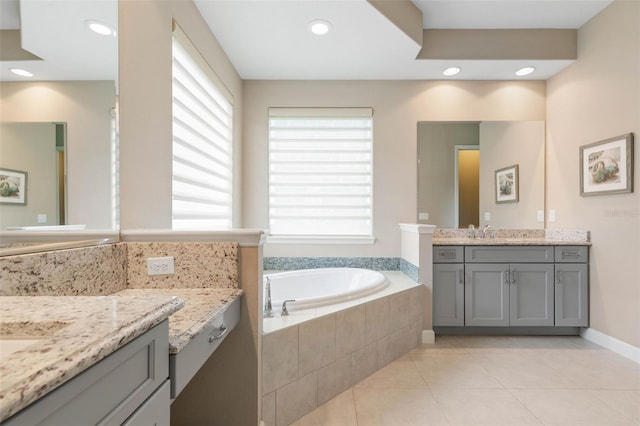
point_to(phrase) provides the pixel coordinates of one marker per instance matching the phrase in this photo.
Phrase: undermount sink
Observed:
(16, 336)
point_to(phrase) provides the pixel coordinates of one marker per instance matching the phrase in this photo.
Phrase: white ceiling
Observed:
(55, 31)
(268, 39)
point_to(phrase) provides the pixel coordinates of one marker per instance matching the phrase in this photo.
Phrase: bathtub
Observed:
(312, 288)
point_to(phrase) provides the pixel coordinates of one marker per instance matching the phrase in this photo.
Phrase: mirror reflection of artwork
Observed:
(13, 187)
(507, 185)
(606, 167)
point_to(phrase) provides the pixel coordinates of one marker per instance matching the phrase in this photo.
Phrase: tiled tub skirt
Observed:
(313, 355)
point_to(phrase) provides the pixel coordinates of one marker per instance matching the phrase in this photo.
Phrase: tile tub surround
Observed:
(316, 355)
(95, 327)
(200, 306)
(197, 264)
(87, 271)
(513, 237)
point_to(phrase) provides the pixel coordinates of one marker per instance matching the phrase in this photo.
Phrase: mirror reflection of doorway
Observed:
(467, 200)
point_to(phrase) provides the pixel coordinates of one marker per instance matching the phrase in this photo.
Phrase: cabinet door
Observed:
(531, 295)
(572, 298)
(486, 295)
(448, 294)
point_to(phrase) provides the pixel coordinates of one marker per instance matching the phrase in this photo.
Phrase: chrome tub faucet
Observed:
(268, 309)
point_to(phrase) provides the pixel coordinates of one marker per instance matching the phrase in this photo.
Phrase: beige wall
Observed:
(85, 106)
(145, 34)
(596, 98)
(30, 148)
(502, 145)
(436, 172)
(398, 107)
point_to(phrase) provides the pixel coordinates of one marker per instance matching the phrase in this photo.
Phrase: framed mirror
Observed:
(59, 125)
(457, 165)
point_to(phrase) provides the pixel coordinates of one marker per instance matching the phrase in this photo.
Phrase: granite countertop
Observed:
(507, 242)
(201, 305)
(80, 330)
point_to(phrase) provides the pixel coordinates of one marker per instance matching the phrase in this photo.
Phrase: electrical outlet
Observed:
(552, 215)
(487, 216)
(423, 216)
(42, 218)
(160, 266)
(540, 215)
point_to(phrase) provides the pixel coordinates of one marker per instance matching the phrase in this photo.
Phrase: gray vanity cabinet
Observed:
(448, 286)
(128, 387)
(572, 286)
(486, 295)
(504, 294)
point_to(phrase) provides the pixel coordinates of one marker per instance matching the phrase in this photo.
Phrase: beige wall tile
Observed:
(364, 362)
(317, 343)
(269, 409)
(350, 326)
(334, 379)
(376, 320)
(399, 314)
(279, 359)
(296, 399)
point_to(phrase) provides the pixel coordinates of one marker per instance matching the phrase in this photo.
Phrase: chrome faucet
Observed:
(485, 233)
(268, 309)
(285, 311)
(472, 231)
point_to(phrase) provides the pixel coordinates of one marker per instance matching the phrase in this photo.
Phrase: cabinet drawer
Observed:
(186, 363)
(448, 254)
(572, 254)
(109, 391)
(508, 254)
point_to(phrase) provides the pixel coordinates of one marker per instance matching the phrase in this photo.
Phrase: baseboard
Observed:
(428, 337)
(611, 343)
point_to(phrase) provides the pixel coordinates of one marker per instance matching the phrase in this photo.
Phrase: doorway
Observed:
(467, 175)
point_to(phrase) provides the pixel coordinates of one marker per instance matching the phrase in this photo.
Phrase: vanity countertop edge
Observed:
(89, 328)
(507, 242)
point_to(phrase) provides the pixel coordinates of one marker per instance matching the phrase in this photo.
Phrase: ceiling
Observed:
(55, 31)
(268, 39)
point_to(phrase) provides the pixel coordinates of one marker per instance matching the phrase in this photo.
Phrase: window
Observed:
(320, 174)
(202, 182)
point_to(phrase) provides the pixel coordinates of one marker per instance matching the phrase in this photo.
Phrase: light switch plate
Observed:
(540, 215)
(423, 216)
(552, 215)
(487, 216)
(42, 218)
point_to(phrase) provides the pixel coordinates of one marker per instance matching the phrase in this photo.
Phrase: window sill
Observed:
(311, 239)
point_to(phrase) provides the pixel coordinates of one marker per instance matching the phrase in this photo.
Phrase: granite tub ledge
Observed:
(201, 306)
(78, 331)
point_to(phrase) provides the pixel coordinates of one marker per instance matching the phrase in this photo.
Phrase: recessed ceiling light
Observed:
(319, 27)
(451, 71)
(100, 28)
(525, 71)
(21, 72)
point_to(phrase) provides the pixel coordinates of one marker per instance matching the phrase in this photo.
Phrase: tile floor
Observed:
(505, 380)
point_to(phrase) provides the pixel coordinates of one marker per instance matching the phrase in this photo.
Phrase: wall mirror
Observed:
(460, 168)
(59, 126)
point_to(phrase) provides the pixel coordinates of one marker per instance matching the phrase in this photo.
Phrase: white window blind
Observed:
(320, 172)
(202, 182)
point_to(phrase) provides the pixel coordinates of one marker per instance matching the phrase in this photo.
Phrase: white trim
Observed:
(417, 228)
(320, 240)
(611, 343)
(428, 337)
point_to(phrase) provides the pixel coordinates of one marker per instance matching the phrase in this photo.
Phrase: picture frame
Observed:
(507, 185)
(13, 187)
(606, 166)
